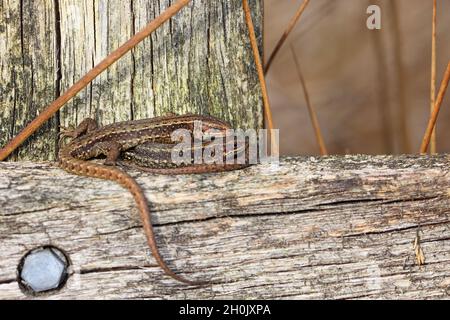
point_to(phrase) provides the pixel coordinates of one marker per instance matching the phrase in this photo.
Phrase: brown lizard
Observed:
(146, 144)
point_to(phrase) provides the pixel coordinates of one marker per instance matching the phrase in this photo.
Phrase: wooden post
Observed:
(199, 62)
(334, 227)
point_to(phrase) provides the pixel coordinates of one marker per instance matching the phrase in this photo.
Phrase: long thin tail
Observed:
(72, 165)
(128, 182)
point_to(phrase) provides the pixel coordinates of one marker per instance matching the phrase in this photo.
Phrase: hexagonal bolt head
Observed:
(42, 270)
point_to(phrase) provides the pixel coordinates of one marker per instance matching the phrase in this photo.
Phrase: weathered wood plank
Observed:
(90, 30)
(198, 59)
(27, 73)
(198, 62)
(308, 228)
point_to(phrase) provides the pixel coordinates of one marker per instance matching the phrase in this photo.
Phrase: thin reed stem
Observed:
(402, 124)
(436, 109)
(433, 147)
(286, 33)
(311, 109)
(259, 67)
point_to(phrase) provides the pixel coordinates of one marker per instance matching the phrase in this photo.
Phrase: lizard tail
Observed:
(80, 167)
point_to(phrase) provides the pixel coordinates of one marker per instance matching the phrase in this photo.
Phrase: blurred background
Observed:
(370, 88)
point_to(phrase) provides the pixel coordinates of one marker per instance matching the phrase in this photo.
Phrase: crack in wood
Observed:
(7, 281)
(316, 208)
(237, 216)
(133, 62)
(415, 226)
(24, 212)
(58, 63)
(116, 269)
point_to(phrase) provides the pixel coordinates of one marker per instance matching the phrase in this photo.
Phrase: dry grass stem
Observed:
(420, 257)
(433, 147)
(286, 33)
(436, 109)
(311, 109)
(401, 125)
(259, 67)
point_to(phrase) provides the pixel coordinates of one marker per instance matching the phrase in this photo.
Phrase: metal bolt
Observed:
(43, 269)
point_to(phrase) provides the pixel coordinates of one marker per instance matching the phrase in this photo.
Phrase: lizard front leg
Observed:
(86, 126)
(110, 149)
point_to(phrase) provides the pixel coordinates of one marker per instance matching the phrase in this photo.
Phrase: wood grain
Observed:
(334, 227)
(199, 62)
(28, 72)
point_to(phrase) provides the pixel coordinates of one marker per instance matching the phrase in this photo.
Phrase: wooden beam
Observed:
(334, 227)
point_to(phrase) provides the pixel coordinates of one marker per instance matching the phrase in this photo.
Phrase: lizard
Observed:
(146, 145)
(157, 158)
